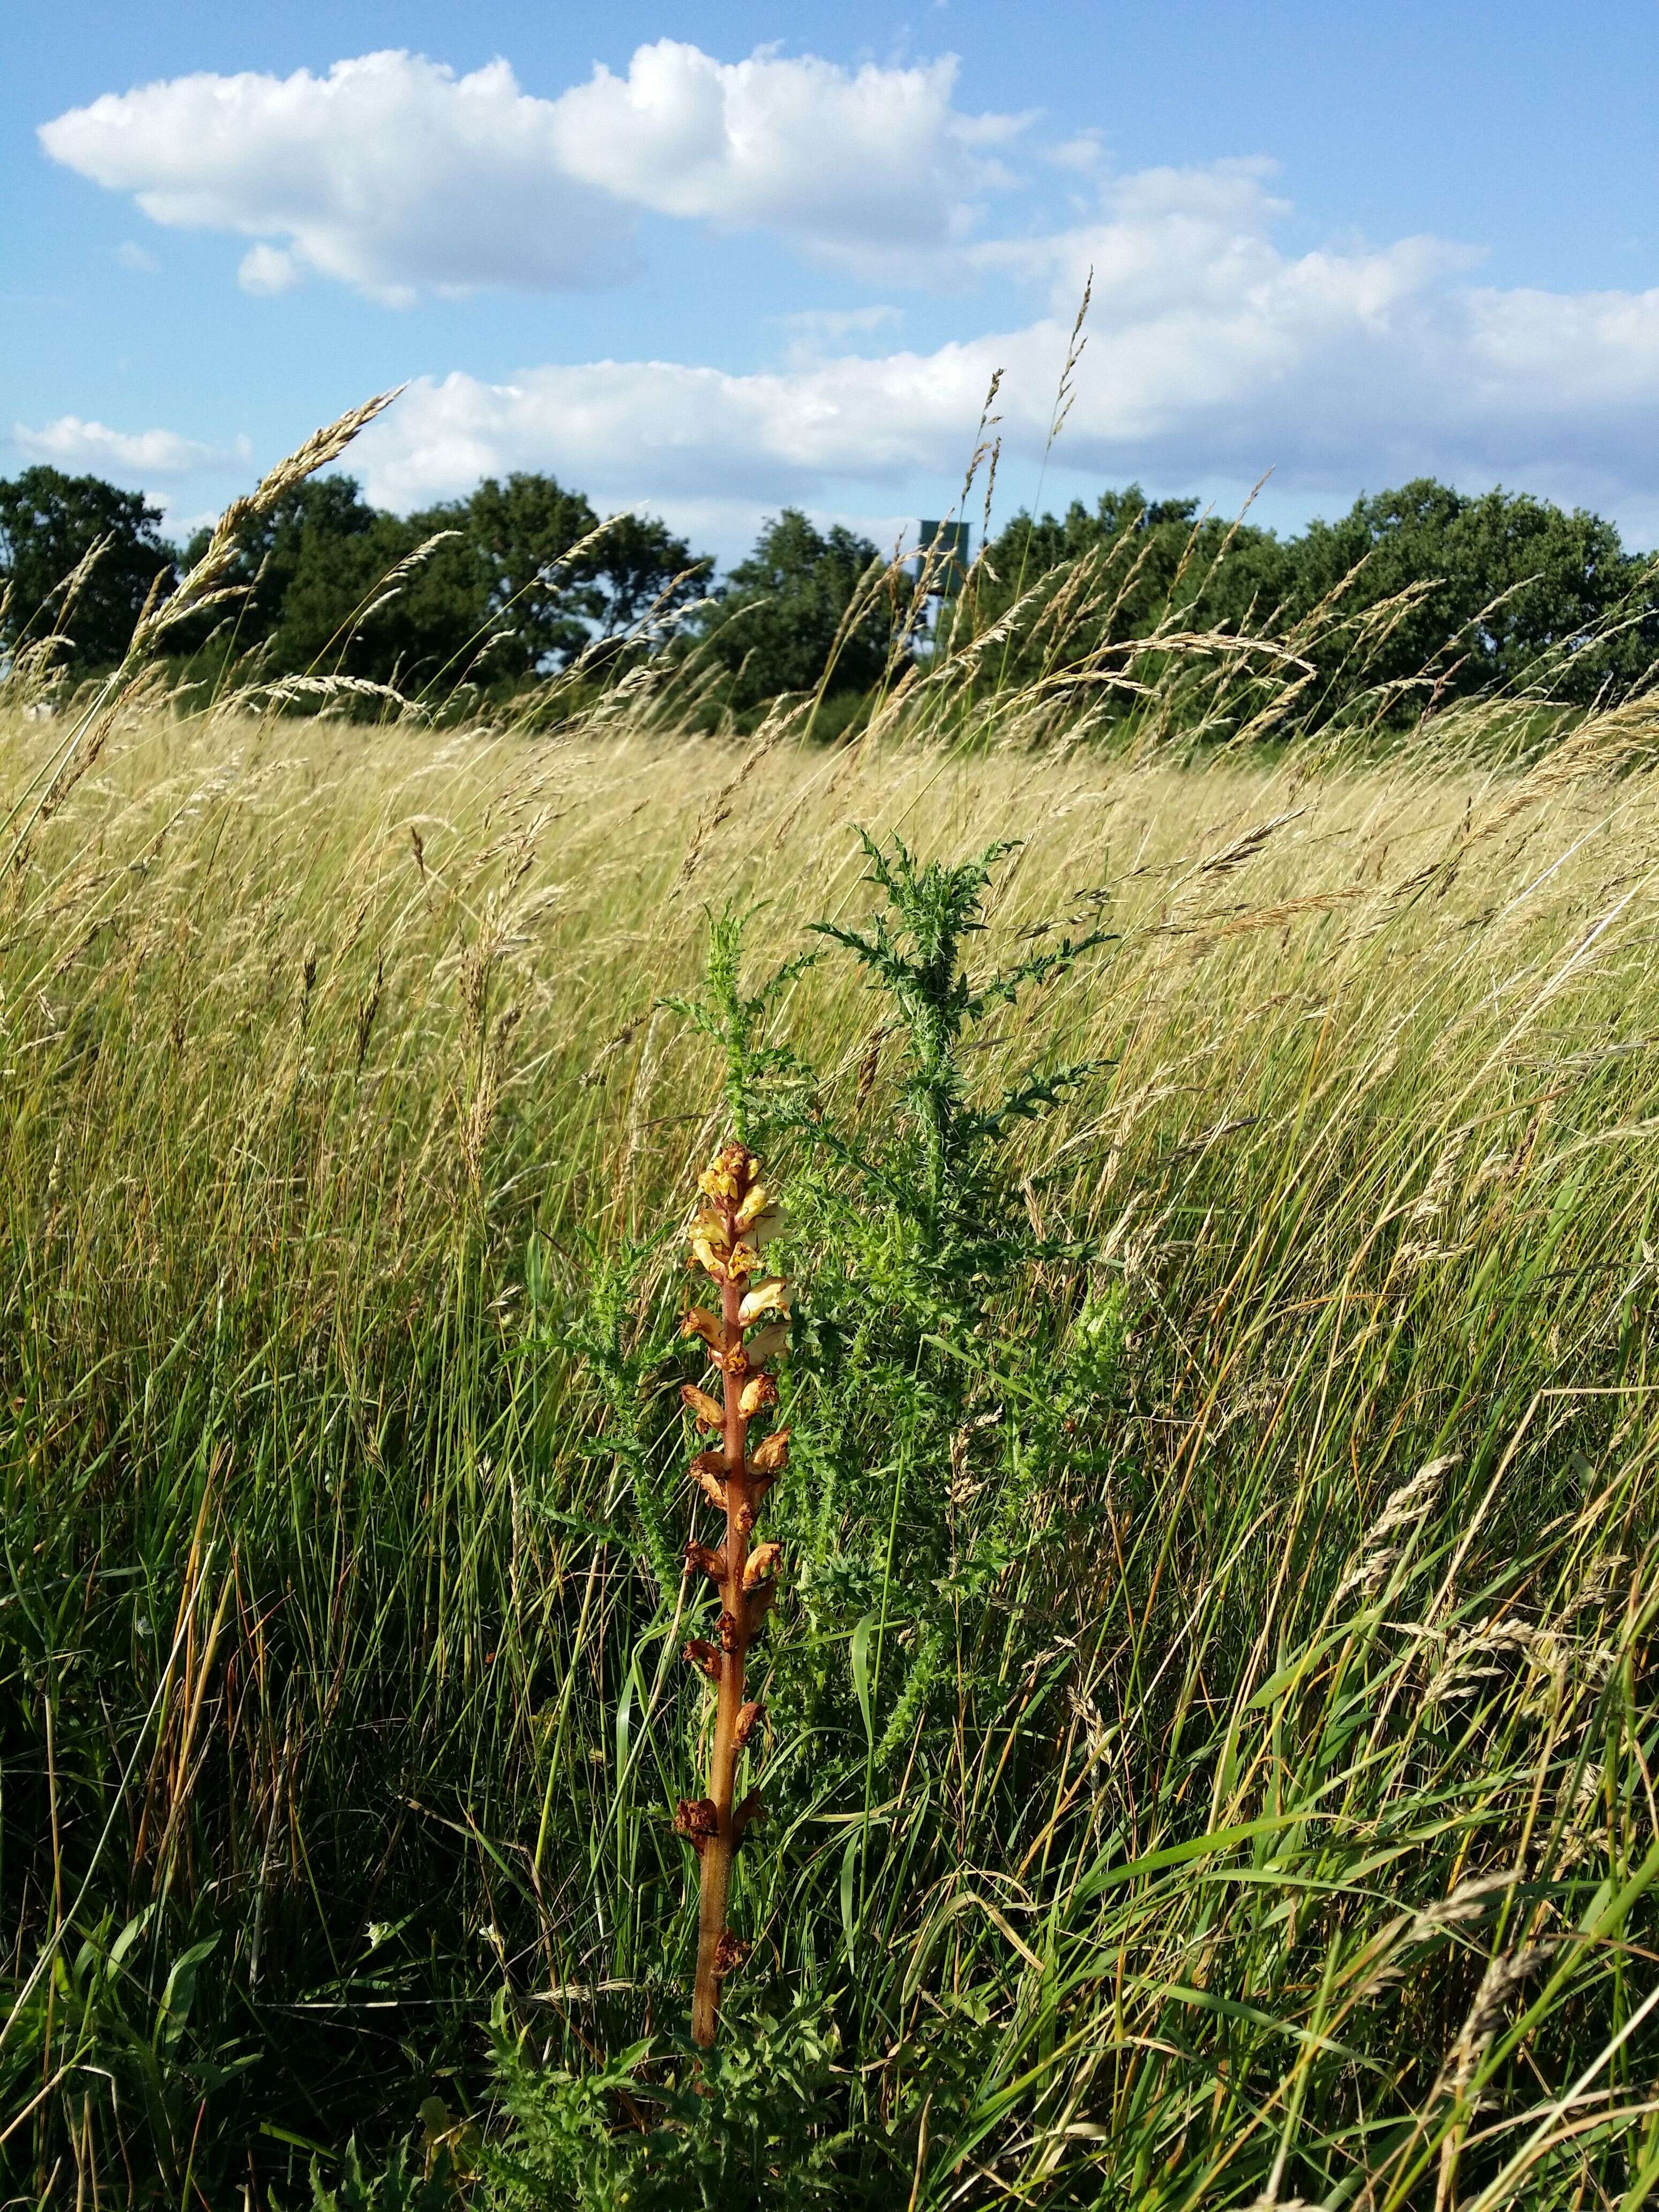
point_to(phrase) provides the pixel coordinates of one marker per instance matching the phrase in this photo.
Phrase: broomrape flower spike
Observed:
(738, 1218)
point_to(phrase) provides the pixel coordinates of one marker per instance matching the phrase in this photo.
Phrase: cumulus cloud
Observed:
(393, 175)
(1212, 354)
(72, 443)
(390, 174)
(868, 167)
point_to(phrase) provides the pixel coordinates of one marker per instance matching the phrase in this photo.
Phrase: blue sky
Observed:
(714, 259)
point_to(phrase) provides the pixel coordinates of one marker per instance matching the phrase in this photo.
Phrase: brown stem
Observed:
(717, 1849)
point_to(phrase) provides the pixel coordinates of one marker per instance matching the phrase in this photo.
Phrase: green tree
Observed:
(1511, 580)
(777, 622)
(334, 587)
(404, 602)
(1148, 559)
(49, 522)
(1495, 586)
(525, 530)
(272, 546)
(638, 565)
(555, 599)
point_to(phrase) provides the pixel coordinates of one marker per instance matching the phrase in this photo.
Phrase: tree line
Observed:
(522, 578)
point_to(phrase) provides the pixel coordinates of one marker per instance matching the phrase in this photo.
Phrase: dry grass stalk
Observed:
(726, 1239)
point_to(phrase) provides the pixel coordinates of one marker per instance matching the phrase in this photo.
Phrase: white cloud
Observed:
(1212, 354)
(396, 176)
(390, 174)
(265, 270)
(71, 443)
(820, 324)
(870, 166)
(1085, 153)
(131, 255)
(815, 331)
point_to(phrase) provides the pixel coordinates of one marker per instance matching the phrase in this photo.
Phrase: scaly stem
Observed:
(717, 1853)
(726, 1243)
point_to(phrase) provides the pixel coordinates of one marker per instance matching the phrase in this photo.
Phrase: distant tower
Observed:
(942, 557)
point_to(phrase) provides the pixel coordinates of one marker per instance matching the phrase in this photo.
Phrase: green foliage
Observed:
(512, 582)
(763, 1078)
(556, 592)
(1420, 595)
(336, 588)
(1147, 562)
(944, 1171)
(49, 524)
(318, 513)
(398, 2186)
(802, 610)
(623, 1337)
(114, 1999)
(1503, 587)
(526, 529)
(748, 2127)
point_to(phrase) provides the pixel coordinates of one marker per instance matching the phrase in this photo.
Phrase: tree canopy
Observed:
(49, 524)
(784, 613)
(510, 583)
(1440, 594)
(1507, 580)
(1483, 589)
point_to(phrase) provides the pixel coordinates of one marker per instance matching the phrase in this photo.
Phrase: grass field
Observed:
(1212, 1733)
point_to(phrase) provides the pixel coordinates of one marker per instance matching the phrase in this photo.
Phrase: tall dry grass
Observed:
(1280, 1825)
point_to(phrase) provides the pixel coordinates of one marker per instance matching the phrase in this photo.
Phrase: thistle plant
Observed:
(737, 1219)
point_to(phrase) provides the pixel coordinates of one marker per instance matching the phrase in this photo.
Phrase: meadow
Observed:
(1209, 1734)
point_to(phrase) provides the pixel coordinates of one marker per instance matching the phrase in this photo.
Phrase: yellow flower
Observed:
(728, 1175)
(759, 1390)
(767, 1344)
(702, 1408)
(772, 1295)
(709, 1257)
(699, 1323)
(767, 1458)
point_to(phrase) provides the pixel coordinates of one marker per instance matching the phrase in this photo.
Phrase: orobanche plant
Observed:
(737, 1219)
